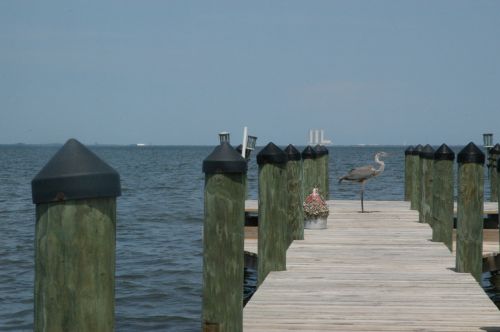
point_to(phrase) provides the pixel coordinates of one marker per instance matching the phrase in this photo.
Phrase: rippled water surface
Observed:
(159, 227)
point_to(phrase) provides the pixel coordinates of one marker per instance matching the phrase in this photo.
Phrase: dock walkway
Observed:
(375, 271)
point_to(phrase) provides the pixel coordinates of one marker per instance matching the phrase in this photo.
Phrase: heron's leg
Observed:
(362, 208)
(362, 194)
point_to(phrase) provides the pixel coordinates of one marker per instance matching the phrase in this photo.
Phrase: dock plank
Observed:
(375, 271)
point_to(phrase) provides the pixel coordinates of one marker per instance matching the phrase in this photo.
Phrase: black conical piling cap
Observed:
(495, 150)
(409, 150)
(427, 152)
(292, 153)
(239, 148)
(321, 150)
(271, 154)
(418, 149)
(224, 159)
(74, 172)
(471, 154)
(309, 153)
(444, 153)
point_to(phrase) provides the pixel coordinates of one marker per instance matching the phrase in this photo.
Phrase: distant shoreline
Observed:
(194, 145)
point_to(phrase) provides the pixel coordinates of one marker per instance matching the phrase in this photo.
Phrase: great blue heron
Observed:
(363, 173)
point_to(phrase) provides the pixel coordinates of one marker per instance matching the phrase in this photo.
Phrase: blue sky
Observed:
(179, 72)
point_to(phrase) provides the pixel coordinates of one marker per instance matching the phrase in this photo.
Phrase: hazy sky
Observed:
(179, 72)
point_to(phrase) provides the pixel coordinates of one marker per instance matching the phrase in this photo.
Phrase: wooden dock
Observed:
(375, 271)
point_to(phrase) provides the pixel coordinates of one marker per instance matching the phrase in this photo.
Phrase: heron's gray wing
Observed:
(359, 173)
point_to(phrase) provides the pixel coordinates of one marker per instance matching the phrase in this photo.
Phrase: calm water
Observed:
(160, 216)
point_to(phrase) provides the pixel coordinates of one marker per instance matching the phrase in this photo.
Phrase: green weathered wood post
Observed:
(309, 171)
(294, 188)
(75, 235)
(469, 256)
(408, 172)
(223, 237)
(442, 193)
(273, 204)
(427, 165)
(416, 194)
(493, 159)
(322, 160)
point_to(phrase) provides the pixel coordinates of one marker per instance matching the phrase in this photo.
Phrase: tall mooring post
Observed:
(416, 176)
(223, 237)
(75, 196)
(322, 155)
(493, 156)
(469, 256)
(294, 188)
(273, 205)
(426, 165)
(442, 196)
(309, 171)
(408, 172)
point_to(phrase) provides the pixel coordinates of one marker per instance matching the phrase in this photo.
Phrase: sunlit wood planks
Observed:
(375, 271)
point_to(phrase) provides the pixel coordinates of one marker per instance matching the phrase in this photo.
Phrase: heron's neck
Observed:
(381, 164)
(381, 168)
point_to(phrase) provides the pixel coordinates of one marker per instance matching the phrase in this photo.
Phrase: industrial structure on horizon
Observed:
(317, 136)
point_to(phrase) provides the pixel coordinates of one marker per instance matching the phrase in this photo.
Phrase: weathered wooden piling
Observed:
(294, 189)
(75, 196)
(470, 211)
(408, 172)
(442, 196)
(322, 161)
(493, 156)
(223, 238)
(273, 205)
(415, 194)
(309, 171)
(427, 165)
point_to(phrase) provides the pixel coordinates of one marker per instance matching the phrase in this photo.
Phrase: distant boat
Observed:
(317, 136)
(141, 144)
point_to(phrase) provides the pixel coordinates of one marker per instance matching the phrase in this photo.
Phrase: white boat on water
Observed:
(141, 144)
(317, 136)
